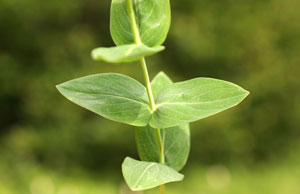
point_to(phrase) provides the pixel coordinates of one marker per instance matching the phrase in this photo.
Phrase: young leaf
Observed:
(146, 175)
(159, 82)
(113, 96)
(195, 99)
(153, 18)
(124, 53)
(176, 149)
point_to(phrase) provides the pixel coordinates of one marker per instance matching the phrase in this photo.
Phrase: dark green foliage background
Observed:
(255, 44)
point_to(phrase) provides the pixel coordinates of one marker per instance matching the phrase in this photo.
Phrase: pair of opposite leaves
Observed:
(123, 99)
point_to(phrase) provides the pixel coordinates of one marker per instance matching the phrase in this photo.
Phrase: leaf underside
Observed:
(146, 175)
(124, 53)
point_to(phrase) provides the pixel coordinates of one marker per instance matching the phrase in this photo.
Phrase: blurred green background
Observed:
(50, 146)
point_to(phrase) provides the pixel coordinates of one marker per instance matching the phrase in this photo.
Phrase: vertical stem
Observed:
(161, 146)
(138, 41)
(162, 189)
(148, 84)
(162, 156)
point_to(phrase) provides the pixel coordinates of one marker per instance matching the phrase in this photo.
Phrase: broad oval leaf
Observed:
(113, 96)
(146, 175)
(124, 53)
(194, 99)
(176, 149)
(153, 18)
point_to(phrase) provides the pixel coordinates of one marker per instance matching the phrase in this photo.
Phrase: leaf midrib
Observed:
(115, 96)
(144, 172)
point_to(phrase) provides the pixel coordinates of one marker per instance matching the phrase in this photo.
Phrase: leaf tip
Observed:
(94, 55)
(246, 93)
(181, 177)
(126, 159)
(161, 73)
(160, 48)
(58, 87)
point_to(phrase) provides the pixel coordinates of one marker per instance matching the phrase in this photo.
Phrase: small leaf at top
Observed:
(153, 18)
(124, 53)
(113, 96)
(195, 99)
(146, 175)
(176, 148)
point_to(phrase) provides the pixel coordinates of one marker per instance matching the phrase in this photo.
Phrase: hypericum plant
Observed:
(162, 110)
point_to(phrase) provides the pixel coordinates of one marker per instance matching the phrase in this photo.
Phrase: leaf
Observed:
(113, 96)
(195, 99)
(124, 53)
(153, 18)
(160, 81)
(176, 149)
(177, 139)
(177, 146)
(146, 175)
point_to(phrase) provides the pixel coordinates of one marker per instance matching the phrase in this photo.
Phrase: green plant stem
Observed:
(161, 146)
(162, 189)
(159, 139)
(148, 84)
(138, 41)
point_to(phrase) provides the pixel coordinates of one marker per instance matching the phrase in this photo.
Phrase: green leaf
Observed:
(113, 96)
(124, 53)
(159, 82)
(195, 99)
(146, 175)
(176, 149)
(153, 18)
